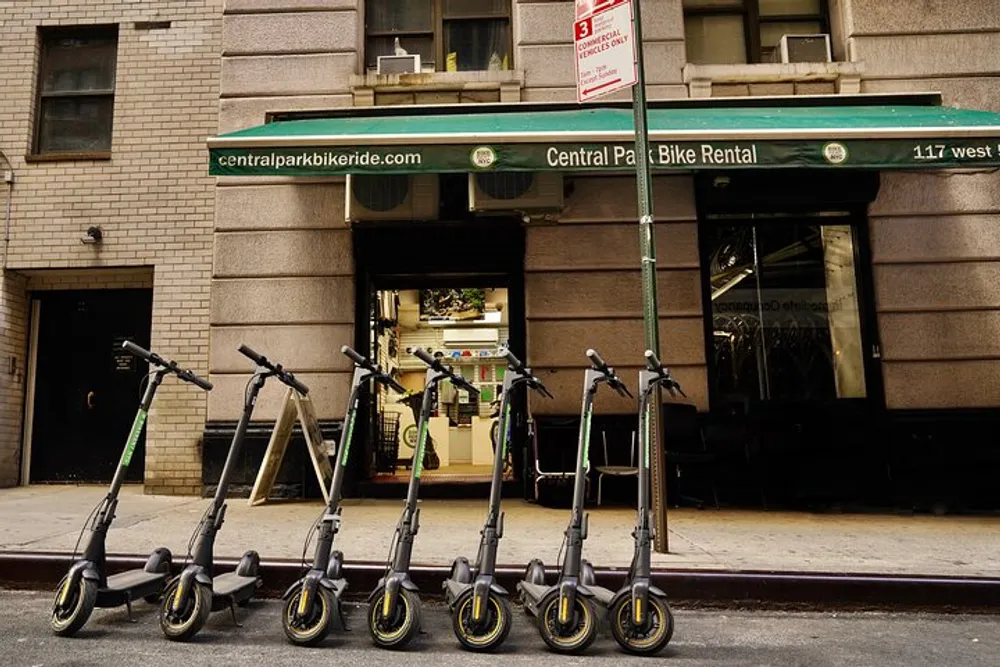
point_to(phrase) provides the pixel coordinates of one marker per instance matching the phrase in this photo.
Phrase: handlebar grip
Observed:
(132, 348)
(354, 356)
(188, 376)
(253, 356)
(293, 382)
(423, 355)
(513, 361)
(596, 359)
(652, 361)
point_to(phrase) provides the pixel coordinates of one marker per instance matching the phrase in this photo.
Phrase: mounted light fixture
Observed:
(94, 236)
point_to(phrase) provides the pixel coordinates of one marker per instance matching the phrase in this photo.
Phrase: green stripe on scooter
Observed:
(133, 438)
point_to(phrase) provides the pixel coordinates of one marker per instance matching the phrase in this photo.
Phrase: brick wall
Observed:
(13, 342)
(153, 199)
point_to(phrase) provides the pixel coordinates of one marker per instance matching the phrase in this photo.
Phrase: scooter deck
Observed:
(230, 584)
(130, 585)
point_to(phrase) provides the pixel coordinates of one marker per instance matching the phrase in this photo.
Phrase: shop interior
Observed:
(465, 327)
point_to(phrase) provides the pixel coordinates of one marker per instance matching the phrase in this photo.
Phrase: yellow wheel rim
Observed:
(389, 637)
(624, 623)
(489, 637)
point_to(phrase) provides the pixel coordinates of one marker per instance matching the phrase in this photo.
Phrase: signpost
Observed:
(606, 33)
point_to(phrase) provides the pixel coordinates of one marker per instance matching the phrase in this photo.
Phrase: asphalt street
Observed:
(717, 638)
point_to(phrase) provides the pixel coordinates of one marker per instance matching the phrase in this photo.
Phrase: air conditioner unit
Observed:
(499, 191)
(803, 49)
(391, 197)
(407, 64)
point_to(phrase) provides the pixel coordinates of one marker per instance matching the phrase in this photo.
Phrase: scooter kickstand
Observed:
(128, 608)
(232, 612)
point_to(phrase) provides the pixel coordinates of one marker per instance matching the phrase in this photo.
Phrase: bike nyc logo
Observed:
(483, 157)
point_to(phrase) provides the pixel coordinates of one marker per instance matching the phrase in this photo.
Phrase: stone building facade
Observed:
(271, 261)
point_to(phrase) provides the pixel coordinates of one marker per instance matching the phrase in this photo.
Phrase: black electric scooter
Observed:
(87, 584)
(394, 606)
(197, 592)
(310, 602)
(567, 612)
(480, 612)
(641, 620)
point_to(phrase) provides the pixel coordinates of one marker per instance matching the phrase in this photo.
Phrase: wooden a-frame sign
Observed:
(300, 408)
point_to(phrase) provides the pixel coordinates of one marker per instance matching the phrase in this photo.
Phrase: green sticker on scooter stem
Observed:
(418, 463)
(646, 433)
(586, 441)
(133, 438)
(347, 436)
(503, 432)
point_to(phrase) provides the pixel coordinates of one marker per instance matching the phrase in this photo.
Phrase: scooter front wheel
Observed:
(491, 631)
(183, 624)
(401, 626)
(313, 629)
(575, 636)
(72, 608)
(648, 638)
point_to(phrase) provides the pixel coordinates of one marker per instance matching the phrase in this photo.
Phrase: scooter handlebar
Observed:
(460, 381)
(596, 360)
(513, 362)
(284, 376)
(153, 358)
(356, 357)
(654, 365)
(652, 362)
(425, 356)
(367, 364)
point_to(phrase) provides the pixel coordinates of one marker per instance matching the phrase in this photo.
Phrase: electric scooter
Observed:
(309, 603)
(480, 612)
(641, 620)
(567, 612)
(196, 592)
(87, 584)
(394, 606)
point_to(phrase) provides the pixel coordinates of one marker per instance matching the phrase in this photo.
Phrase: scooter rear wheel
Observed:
(403, 624)
(648, 640)
(185, 624)
(582, 629)
(69, 617)
(315, 628)
(494, 629)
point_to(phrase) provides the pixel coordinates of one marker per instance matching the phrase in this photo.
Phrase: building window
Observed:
(786, 312)
(731, 32)
(76, 90)
(449, 35)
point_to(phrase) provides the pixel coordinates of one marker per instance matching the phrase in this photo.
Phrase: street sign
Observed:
(605, 48)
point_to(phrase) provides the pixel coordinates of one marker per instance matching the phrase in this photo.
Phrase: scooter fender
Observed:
(81, 569)
(291, 590)
(185, 583)
(567, 600)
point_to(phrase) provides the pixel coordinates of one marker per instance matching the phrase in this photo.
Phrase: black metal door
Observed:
(88, 389)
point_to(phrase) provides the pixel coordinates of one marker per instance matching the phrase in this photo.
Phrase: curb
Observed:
(686, 588)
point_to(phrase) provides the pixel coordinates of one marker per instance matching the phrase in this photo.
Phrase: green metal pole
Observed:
(650, 310)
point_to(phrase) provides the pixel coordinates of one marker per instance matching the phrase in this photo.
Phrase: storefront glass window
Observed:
(785, 311)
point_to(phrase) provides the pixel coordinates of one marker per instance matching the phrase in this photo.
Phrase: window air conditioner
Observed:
(391, 197)
(508, 191)
(803, 49)
(404, 64)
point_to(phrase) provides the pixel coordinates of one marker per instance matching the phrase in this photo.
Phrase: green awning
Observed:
(601, 139)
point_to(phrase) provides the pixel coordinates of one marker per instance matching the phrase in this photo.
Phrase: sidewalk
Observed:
(49, 518)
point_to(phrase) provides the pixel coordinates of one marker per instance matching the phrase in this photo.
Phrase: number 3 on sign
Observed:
(584, 29)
